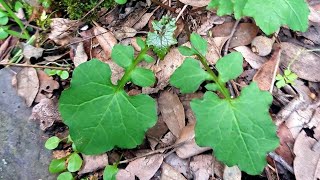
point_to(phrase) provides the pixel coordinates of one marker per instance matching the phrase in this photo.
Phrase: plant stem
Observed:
(34, 66)
(13, 15)
(126, 77)
(215, 78)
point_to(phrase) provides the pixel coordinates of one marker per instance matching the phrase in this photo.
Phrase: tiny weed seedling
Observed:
(240, 130)
(287, 78)
(61, 73)
(269, 15)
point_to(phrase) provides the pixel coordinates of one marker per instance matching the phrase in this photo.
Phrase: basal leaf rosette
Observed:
(240, 130)
(101, 116)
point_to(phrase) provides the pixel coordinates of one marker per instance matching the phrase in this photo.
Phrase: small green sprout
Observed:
(61, 73)
(287, 78)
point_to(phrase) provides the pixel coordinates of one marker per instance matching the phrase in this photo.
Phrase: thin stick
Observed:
(34, 66)
(226, 48)
(153, 152)
(180, 13)
(275, 70)
(281, 161)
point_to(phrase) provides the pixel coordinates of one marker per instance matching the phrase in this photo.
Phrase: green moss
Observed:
(76, 9)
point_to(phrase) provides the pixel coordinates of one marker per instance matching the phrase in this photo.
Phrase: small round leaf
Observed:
(57, 165)
(120, 1)
(64, 75)
(3, 34)
(65, 176)
(4, 20)
(110, 172)
(52, 142)
(74, 163)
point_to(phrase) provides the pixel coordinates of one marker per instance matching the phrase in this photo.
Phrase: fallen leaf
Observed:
(169, 173)
(265, 75)
(262, 45)
(201, 166)
(286, 144)
(93, 163)
(180, 165)
(27, 84)
(189, 148)
(314, 15)
(186, 99)
(243, 35)
(30, 51)
(143, 21)
(307, 161)
(4, 46)
(46, 112)
(124, 175)
(106, 39)
(58, 154)
(144, 168)
(124, 32)
(80, 55)
(155, 133)
(168, 139)
(209, 23)
(196, 3)
(313, 33)
(306, 66)
(61, 30)
(46, 86)
(172, 112)
(214, 49)
(254, 60)
(232, 173)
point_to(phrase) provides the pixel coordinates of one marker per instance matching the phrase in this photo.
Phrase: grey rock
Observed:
(22, 152)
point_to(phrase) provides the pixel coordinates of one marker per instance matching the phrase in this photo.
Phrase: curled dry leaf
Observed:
(143, 21)
(172, 112)
(214, 48)
(168, 139)
(80, 55)
(201, 166)
(155, 133)
(46, 112)
(27, 83)
(306, 66)
(186, 99)
(144, 168)
(106, 39)
(265, 75)
(196, 3)
(124, 32)
(286, 144)
(29, 51)
(262, 45)
(307, 160)
(124, 175)
(254, 60)
(46, 86)
(61, 30)
(243, 35)
(181, 165)
(169, 173)
(189, 148)
(93, 163)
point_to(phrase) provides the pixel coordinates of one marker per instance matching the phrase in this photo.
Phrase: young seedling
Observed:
(101, 115)
(61, 73)
(287, 78)
(239, 130)
(293, 13)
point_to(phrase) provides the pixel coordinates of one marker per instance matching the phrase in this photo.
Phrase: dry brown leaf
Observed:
(124, 175)
(243, 35)
(46, 86)
(30, 51)
(307, 160)
(168, 139)
(214, 49)
(186, 99)
(209, 23)
(286, 143)
(313, 33)
(232, 173)
(144, 168)
(155, 133)
(314, 15)
(58, 154)
(106, 39)
(27, 83)
(189, 148)
(93, 163)
(143, 21)
(254, 60)
(181, 165)
(169, 173)
(306, 66)
(60, 30)
(166, 68)
(265, 75)
(262, 45)
(124, 32)
(196, 3)
(46, 112)
(172, 112)
(201, 166)
(80, 55)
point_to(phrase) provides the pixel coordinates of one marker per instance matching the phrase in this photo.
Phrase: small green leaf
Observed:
(52, 142)
(292, 77)
(18, 5)
(281, 83)
(240, 130)
(99, 115)
(65, 176)
(230, 66)
(212, 87)
(148, 58)
(110, 172)
(198, 43)
(57, 165)
(287, 72)
(122, 55)
(3, 14)
(141, 43)
(186, 51)
(189, 76)
(143, 77)
(121, 1)
(4, 20)
(279, 77)
(64, 75)
(50, 72)
(74, 162)
(3, 34)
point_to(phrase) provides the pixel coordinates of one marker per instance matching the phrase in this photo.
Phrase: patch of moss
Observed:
(76, 9)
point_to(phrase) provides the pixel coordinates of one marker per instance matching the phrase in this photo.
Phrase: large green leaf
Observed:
(230, 66)
(269, 15)
(101, 116)
(240, 131)
(189, 76)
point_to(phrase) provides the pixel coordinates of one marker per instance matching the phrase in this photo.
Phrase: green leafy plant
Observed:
(287, 78)
(67, 165)
(163, 36)
(45, 3)
(110, 172)
(7, 13)
(239, 130)
(269, 15)
(61, 73)
(101, 115)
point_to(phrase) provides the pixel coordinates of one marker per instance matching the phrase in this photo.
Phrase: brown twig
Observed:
(180, 13)
(281, 161)
(34, 66)
(226, 48)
